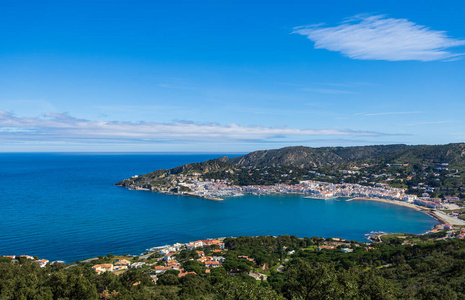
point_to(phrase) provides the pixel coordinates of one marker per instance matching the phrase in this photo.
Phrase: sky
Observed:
(229, 76)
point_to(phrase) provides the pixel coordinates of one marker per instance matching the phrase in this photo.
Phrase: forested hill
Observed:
(307, 157)
(438, 166)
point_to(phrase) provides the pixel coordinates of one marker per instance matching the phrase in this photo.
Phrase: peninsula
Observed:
(427, 176)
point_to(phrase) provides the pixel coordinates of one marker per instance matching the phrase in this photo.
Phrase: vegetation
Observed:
(430, 269)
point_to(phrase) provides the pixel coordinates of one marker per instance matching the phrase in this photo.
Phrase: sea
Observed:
(65, 206)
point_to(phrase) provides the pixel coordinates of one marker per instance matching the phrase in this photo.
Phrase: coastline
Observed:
(425, 210)
(399, 203)
(207, 197)
(428, 211)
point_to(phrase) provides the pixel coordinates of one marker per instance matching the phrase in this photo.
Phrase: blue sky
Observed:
(229, 76)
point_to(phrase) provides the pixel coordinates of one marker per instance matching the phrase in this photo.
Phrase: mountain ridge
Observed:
(419, 167)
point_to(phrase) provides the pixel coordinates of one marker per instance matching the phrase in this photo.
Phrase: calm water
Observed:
(66, 207)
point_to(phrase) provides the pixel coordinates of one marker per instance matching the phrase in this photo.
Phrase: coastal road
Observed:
(70, 266)
(89, 260)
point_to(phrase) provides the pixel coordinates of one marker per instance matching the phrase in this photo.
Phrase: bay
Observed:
(66, 207)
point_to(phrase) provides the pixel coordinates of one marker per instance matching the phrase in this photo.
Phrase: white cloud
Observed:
(380, 38)
(62, 127)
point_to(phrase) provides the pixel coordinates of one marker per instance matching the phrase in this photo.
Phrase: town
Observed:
(170, 263)
(217, 189)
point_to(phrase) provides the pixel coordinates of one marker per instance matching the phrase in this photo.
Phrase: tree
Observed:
(194, 286)
(234, 289)
(168, 279)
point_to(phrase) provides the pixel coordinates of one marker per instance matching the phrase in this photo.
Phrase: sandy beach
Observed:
(438, 215)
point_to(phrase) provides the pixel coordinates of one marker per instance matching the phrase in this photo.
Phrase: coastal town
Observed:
(218, 189)
(192, 258)
(219, 256)
(433, 185)
(212, 256)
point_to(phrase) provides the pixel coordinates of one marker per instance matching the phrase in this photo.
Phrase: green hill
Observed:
(440, 169)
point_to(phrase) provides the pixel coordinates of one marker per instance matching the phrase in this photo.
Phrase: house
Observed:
(137, 265)
(327, 195)
(212, 242)
(27, 256)
(325, 247)
(193, 245)
(122, 262)
(163, 251)
(409, 198)
(177, 246)
(186, 273)
(173, 264)
(103, 268)
(347, 250)
(203, 259)
(42, 262)
(452, 199)
(218, 258)
(169, 256)
(161, 269)
(212, 264)
(447, 226)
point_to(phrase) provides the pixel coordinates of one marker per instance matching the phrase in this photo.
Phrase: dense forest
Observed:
(430, 269)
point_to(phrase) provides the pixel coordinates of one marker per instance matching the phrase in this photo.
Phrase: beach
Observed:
(438, 215)
(400, 203)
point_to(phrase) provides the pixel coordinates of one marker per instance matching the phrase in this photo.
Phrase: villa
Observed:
(103, 268)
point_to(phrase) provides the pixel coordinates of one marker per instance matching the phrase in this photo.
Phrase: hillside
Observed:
(306, 157)
(402, 266)
(437, 169)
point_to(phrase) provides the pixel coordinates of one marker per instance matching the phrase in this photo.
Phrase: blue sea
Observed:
(66, 207)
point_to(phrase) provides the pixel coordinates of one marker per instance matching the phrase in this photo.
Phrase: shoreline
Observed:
(399, 203)
(418, 208)
(425, 210)
(188, 194)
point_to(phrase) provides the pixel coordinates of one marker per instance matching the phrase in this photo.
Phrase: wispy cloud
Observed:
(391, 113)
(55, 127)
(431, 123)
(376, 37)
